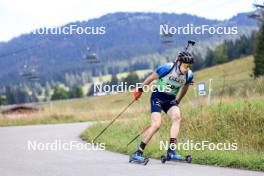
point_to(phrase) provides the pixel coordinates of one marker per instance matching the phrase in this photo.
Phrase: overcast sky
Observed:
(22, 16)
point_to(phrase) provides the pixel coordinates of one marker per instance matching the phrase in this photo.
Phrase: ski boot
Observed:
(138, 158)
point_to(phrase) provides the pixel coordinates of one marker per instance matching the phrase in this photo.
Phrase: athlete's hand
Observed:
(137, 93)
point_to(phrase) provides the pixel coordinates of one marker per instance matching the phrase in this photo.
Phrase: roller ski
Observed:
(138, 159)
(172, 156)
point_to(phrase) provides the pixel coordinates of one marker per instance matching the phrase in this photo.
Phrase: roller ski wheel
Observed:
(163, 159)
(188, 158)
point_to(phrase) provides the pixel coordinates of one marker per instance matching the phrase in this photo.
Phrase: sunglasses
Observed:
(186, 65)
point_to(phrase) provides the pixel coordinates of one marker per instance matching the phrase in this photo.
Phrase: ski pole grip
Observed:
(140, 89)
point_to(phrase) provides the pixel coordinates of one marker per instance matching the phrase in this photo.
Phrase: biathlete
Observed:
(173, 80)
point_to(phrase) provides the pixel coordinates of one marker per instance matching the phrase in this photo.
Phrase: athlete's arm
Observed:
(150, 78)
(182, 93)
(185, 88)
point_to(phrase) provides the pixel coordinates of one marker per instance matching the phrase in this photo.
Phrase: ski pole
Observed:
(114, 120)
(142, 131)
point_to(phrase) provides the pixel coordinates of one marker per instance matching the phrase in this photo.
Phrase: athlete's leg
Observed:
(155, 125)
(175, 115)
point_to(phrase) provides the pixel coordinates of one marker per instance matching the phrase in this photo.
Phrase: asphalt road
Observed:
(16, 159)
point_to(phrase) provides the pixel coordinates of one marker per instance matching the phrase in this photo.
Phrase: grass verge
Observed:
(239, 122)
(52, 119)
